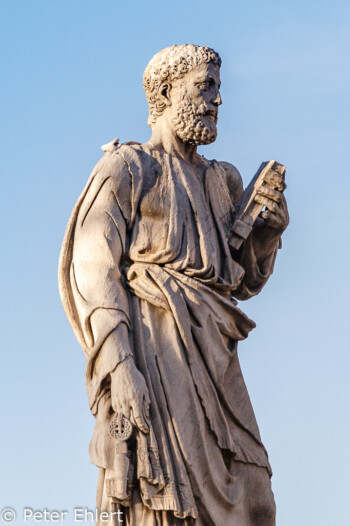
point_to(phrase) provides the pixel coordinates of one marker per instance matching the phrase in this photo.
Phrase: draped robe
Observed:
(147, 246)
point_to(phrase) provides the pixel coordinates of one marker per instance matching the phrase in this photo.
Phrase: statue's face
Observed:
(195, 101)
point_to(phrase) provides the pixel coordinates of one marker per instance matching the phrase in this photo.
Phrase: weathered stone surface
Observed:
(148, 280)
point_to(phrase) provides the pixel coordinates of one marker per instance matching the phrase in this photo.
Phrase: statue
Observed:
(150, 272)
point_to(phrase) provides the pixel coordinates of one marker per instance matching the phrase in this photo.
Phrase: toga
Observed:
(147, 246)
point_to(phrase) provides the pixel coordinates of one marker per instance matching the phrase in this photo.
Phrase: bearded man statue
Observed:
(150, 286)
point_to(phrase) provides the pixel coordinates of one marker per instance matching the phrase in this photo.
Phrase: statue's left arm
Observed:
(258, 253)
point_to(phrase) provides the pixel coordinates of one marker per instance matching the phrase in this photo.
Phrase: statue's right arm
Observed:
(101, 299)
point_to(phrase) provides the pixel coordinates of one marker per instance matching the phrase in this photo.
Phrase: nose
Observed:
(217, 100)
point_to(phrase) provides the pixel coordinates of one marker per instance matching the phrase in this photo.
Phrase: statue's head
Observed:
(182, 82)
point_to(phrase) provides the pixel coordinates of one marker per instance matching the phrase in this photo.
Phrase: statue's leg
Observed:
(135, 515)
(140, 515)
(106, 505)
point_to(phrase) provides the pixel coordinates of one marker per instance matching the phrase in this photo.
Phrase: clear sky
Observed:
(72, 81)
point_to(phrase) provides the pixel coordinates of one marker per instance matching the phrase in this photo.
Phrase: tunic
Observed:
(147, 246)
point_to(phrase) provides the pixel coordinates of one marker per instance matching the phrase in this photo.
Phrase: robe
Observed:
(147, 246)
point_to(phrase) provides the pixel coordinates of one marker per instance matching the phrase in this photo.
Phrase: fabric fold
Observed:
(146, 254)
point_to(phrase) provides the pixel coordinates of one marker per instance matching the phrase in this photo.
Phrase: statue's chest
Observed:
(164, 197)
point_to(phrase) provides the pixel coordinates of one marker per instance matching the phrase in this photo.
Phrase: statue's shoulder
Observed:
(111, 146)
(130, 153)
(115, 172)
(111, 167)
(116, 146)
(121, 161)
(125, 166)
(233, 179)
(115, 151)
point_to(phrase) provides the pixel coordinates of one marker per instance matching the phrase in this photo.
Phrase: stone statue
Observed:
(149, 283)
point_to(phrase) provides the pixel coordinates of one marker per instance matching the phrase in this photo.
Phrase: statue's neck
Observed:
(165, 140)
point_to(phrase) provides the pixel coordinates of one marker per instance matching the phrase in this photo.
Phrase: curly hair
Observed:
(170, 64)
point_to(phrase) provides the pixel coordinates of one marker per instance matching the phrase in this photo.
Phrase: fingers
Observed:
(270, 218)
(137, 413)
(278, 220)
(272, 205)
(275, 180)
(271, 193)
(130, 398)
(122, 410)
(138, 416)
(121, 406)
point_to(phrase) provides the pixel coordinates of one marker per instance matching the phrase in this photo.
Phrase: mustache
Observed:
(206, 112)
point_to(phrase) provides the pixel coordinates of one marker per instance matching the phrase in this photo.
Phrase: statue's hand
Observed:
(276, 216)
(130, 394)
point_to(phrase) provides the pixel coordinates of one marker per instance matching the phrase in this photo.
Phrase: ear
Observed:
(164, 94)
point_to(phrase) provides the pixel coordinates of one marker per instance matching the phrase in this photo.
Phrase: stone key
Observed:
(121, 430)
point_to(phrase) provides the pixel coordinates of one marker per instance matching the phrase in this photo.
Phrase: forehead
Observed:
(204, 71)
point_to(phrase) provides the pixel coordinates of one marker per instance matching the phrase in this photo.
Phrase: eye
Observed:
(203, 86)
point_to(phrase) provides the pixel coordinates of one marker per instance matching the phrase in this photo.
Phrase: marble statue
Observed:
(149, 278)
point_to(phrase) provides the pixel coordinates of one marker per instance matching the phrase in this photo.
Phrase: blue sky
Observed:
(72, 81)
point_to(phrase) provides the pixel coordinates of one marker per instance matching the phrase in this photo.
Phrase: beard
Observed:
(190, 122)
